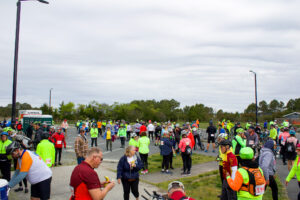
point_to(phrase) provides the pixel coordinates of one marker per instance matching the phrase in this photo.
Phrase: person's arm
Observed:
(292, 172)
(17, 178)
(120, 168)
(264, 165)
(76, 147)
(235, 184)
(98, 194)
(256, 140)
(64, 141)
(233, 172)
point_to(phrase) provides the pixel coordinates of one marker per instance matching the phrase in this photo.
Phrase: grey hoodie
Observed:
(267, 162)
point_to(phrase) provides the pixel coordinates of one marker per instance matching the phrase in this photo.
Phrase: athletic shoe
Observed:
(19, 189)
(171, 167)
(168, 172)
(26, 190)
(213, 151)
(183, 174)
(162, 171)
(188, 173)
(59, 163)
(205, 151)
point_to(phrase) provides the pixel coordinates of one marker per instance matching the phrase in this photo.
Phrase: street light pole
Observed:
(50, 100)
(255, 82)
(15, 76)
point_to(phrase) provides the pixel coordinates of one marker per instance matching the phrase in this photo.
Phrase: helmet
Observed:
(176, 184)
(45, 135)
(240, 130)
(19, 138)
(12, 147)
(223, 136)
(292, 132)
(246, 153)
(225, 143)
(4, 133)
(184, 132)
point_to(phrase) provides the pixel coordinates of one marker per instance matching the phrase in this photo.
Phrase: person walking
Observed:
(290, 148)
(84, 181)
(196, 134)
(65, 127)
(249, 181)
(46, 150)
(94, 135)
(122, 135)
(186, 150)
(267, 163)
(99, 126)
(157, 134)
(211, 131)
(151, 129)
(165, 151)
(128, 131)
(108, 137)
(128, 172)
(81, 146)
(59, 141)
(143, 144)
(295, 170)
(282, 139)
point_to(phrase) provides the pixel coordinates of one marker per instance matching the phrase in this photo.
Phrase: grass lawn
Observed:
(155, 161)
(208, 185)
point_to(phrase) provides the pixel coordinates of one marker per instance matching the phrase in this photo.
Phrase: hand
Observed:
(119, 181)
(111, 185)
(227, 174)
(286, 183)
(133, 165)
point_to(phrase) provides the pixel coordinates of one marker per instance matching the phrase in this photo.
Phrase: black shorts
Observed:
(42, 189)
(211, 139)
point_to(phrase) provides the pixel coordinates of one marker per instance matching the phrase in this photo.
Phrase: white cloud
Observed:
(192, 51)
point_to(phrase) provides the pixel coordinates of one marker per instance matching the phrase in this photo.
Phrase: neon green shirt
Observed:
(94, 132)
(143, 144)
(46, 151)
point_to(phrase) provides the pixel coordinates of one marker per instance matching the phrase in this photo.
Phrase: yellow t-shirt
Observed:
(108, 135)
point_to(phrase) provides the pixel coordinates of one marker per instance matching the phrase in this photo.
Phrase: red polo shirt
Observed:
(83, 179)
(177, 195)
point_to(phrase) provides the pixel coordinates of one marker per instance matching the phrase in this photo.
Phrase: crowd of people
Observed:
(246, 155)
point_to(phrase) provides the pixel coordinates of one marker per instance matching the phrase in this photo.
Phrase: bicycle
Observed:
(155, 196)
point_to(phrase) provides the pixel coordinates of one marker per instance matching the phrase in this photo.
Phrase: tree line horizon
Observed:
(162, 110)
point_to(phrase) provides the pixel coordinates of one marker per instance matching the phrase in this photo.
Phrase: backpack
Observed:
(257, 182)
(237, 147)
(188, 150)
(290, 147)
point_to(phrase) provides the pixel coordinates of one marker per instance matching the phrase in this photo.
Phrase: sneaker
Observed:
(19, 189)
(213, 151)
(26, 190)
(188, 173)
(168, 172)
(162, 171)
(205, 151)
(59, 163)
(183, 174)
(171, 167)
(55, 164)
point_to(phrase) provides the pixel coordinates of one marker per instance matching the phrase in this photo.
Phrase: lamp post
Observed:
(255, 95)
(15, 76)
(50, 100)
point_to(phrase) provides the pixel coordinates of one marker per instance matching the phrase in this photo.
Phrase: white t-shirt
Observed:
(150, 127)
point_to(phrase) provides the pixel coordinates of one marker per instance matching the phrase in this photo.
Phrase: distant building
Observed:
(294, 115)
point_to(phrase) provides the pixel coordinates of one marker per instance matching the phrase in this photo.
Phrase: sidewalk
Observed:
(158, 177)
(60, 184)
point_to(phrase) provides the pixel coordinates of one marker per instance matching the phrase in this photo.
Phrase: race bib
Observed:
(48, 161)
(187, 143)
(212, 135)
(161, 142)
(260, 189)
(58, 142)
(251, 142)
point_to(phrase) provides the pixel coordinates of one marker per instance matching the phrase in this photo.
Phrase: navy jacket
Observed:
(124, 171)
(166, 149)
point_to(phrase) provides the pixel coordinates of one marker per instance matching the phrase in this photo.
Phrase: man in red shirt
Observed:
(176, 191)
(85, 182)
(58, 139)
(229, 167)
(143, 128)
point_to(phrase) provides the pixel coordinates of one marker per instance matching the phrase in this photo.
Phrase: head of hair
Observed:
(143, 133)
(92, 151)
(127, 150)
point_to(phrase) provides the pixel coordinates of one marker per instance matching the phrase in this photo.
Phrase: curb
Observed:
(110, 161)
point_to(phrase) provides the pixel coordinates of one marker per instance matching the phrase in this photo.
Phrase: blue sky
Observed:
(119, 51)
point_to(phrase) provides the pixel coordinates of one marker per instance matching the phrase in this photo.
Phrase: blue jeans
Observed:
(80, 159)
